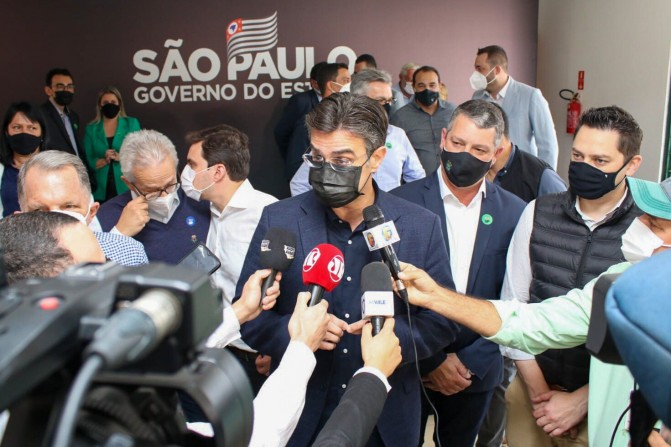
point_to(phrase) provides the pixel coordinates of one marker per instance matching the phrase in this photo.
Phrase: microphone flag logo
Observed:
(336, 268)
(311, 259)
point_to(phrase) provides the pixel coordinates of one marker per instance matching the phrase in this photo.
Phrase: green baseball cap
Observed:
(651, 197)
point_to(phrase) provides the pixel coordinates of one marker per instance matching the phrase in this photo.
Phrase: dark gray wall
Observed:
(98, 40)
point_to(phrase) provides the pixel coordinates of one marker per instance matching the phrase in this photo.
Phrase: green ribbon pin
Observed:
(487, 219)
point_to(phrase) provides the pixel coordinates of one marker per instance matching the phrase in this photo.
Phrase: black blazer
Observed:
(353, 420)
(57, 137)
(297, 107)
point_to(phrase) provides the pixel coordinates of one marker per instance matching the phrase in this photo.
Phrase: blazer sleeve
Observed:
(355, 417)
(268, 333)
(543, 129)
(89, 145)
(431, 332)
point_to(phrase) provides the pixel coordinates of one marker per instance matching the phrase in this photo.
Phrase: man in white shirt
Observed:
(216, 170)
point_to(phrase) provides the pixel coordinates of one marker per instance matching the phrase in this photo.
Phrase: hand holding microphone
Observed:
(247, 307)
(382, 351)
(323, 270)
(309, 324)
(278, 248)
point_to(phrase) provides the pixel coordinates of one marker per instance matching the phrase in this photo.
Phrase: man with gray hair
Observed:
(401, 161)
(403, 91)
(58, 181)
(478, 220)
(155, 211)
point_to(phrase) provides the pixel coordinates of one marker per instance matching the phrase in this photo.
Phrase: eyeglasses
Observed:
(337, 164)
(61, 87)
(156, 194)
(384, 101)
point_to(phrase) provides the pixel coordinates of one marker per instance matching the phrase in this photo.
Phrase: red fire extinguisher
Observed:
(572, 110)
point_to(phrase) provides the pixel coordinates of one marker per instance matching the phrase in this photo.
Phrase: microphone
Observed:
(322, 270)
(278, 248)
(134, 331)
(377, 301)
(373, 217)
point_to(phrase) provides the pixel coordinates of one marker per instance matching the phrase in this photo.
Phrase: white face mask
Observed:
(407, 88)
(79, 217)
(639, 242)
(479, 81)
(161, 208)
(188, 177)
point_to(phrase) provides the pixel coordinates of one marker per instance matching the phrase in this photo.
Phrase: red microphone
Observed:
(322, 270)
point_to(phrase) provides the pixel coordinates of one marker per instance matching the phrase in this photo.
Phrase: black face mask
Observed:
(64, 98)
(591, 183)
(110, 110)
(335, 188)
(463, 169)
(23, 143)
(427, 97)
(387, 108)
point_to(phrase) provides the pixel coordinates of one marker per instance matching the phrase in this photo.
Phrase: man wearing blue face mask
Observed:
(424, 118)
(561, 242)
(155, 211)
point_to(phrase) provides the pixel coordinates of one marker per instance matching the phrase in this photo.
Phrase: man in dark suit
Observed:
(62, 123)
(330, 79)
(347, 140)
(478, 219)
(297, 107)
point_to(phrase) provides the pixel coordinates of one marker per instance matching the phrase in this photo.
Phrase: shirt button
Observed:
(344, 351)
(349, 242)
(339, 220)
(346, 315)
(349, 278)
(344, 385)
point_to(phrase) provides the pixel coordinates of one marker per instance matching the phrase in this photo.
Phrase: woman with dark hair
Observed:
(102, 142)
(24, 133)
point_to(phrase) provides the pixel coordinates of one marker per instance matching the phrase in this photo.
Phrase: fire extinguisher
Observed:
(572, 109)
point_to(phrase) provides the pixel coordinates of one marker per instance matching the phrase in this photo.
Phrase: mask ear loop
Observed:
(618, 171)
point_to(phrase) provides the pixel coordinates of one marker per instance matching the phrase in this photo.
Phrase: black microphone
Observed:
(278, 248)
(134, 331)
(373, 217)
(377, 301)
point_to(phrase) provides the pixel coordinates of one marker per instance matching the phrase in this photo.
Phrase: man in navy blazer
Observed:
(297, 107)
(478, 219)
(347, 137)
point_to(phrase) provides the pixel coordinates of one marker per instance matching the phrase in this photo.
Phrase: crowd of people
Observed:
(499, 257)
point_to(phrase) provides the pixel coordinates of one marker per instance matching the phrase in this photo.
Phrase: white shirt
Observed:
(230, 233)
(518, 277)
(401, 161)
(280, 402)
(462, 227)
(502, 94)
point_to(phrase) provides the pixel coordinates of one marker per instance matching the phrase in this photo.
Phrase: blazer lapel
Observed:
(56, 118)
(312, 226)
(433, 202)
(485, 226)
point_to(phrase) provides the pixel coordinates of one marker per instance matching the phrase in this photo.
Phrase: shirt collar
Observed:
(502, 93)
(242, 198)
(57, 107)
(505, 168)
(445, 191)
(606, 216)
